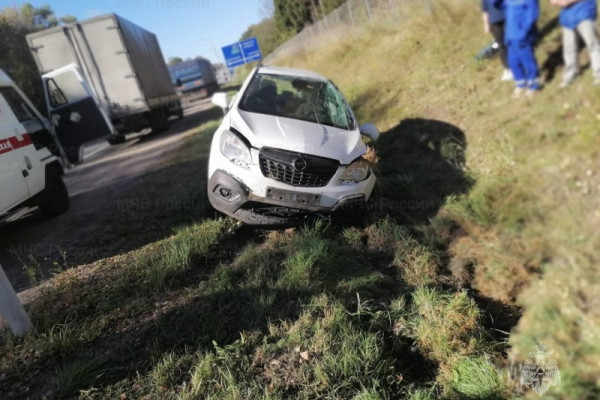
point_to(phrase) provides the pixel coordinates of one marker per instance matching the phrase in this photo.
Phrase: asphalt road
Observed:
(97, 224)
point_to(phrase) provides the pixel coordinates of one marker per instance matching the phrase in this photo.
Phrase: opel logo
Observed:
(299, 164)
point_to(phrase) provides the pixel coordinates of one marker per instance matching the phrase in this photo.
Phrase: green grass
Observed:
(476, 379)
(174, 255)
(485, 209)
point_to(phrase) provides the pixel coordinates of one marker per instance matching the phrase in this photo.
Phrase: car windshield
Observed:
(303, 98)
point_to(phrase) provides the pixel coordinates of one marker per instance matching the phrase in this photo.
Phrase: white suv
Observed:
(289, 146)
(30, 174)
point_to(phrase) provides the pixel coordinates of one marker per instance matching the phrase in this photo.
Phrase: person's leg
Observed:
(587, 30)
(569, 56)
(530, 67)
(497, 31)
(514, 62)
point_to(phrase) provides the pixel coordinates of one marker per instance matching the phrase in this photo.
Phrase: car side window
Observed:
(55, 94)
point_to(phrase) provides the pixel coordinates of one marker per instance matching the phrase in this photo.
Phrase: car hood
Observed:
(300, 136)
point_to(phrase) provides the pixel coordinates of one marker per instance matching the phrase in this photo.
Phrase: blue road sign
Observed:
(243, 52)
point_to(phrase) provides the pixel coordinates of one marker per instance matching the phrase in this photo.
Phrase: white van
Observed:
(31, 166)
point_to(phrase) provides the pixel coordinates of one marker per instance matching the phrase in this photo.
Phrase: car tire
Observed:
(54, 199)
(75, 155)
(158, 120)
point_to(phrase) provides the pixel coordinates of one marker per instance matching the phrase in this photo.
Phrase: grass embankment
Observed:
(526, 232)
(215, 311)
(485, 207)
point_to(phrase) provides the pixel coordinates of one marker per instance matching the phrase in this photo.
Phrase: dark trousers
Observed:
(497, 31)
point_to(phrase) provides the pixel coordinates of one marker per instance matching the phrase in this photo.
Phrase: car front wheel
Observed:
(54, 199)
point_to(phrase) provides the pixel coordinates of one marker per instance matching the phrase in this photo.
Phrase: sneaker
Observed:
(507, 76)
(518, 92)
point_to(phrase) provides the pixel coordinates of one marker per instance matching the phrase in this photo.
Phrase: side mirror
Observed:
(370, 131)
(179, 83)
(220, 99)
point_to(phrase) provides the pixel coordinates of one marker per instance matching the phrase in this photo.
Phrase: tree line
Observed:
(15, 58)
(286, 18)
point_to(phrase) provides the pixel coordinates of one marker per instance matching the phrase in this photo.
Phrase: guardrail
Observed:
(348, 16)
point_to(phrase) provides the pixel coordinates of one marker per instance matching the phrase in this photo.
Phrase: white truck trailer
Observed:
(104, 76)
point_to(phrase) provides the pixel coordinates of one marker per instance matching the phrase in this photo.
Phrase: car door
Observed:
(73, 111)
(13, 186)
(32, 141)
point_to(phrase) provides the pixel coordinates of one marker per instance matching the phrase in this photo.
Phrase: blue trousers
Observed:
(523, 65)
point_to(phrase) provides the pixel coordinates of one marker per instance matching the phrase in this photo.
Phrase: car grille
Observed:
(297, 169)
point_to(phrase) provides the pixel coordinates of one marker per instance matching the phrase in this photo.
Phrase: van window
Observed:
(64, 89)
(19, 107)
(23, 113)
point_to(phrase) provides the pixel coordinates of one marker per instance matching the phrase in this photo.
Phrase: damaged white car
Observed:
(288, 147)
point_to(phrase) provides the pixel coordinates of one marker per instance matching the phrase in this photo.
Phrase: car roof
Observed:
(301, 73)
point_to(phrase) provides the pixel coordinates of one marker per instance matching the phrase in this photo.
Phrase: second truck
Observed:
(104, 76)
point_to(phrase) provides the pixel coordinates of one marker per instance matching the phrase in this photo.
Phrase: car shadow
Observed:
(421, 163)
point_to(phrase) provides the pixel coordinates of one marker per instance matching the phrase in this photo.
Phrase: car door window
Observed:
(55, 94)
(64, 89)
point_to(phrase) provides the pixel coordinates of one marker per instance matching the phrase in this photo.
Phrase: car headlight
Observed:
(234, 148)
(356, 172)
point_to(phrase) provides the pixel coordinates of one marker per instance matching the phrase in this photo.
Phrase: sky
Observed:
(185, 28)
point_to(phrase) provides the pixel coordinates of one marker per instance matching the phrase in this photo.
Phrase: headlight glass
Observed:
(235, 149)
(356, 172)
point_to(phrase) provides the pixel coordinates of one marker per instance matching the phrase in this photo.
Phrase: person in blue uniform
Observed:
(520, 35)
(579, 16)
(493, 22)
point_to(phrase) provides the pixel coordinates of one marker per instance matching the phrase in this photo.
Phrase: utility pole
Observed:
(11, 308)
